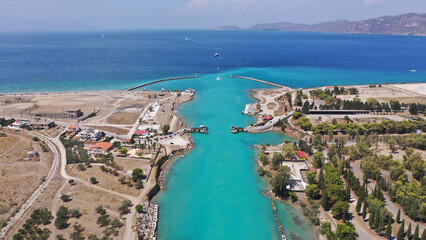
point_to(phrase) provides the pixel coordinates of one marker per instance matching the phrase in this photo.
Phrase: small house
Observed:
(301, 156)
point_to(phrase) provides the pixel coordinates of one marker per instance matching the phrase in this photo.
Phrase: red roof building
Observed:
(267, 117)
(141, 132)
(101, 147)
(301, 155)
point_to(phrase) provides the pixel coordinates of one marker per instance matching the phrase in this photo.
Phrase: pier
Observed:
(264, 82)
(237, 129)
(201, 129)
(161, 80)
(277, 221)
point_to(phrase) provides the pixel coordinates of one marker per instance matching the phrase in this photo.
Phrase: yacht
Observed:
(216, 55)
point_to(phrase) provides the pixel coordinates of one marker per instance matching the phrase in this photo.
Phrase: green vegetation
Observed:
(65, 198)
(31, 228)
(62, 216)
(280, 181)
(139, 208)
(93, 180)
(166, 128)
(125, 207)
(74, 150)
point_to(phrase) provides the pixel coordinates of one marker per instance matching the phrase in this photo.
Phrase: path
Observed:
(391, 206)
(38, 191)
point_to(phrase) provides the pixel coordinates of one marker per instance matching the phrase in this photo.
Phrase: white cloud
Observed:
(371, 2)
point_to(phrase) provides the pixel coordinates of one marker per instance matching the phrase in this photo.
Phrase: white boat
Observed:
(413, 70)
(218, 78)
(186, 39)
(216, 55)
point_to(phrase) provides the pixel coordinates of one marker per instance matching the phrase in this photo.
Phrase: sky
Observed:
(170, 14)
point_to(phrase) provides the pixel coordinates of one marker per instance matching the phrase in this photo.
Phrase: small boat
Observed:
(186, 39)
(218, 78)
(413, 70)
(216, 55)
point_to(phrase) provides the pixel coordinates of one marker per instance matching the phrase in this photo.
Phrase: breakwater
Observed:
(161, 80)
(262, 81)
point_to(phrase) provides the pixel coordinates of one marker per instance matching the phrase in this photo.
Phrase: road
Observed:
(391, 206)
(31, 200)
(269, 124)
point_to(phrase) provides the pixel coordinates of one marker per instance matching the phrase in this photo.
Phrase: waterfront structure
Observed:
(41, 124)
(73, 114)
(148, 221)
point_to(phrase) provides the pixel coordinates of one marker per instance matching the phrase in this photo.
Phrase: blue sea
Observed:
(213, 192)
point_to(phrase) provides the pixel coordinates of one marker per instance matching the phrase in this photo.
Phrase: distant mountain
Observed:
(406, 24)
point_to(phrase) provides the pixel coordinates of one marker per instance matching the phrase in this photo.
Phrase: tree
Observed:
(281, 180)
(388, 232)
(71, 182)
(392, 144)
(416, 233)
(289, 151)
(408, 233)
(358, 206)
(137, 173)
(400, 234)
(377, 219)
(371, 219)
(61, 218)
(364, 209)
(347, 119)
(318, 159)
(66, 198)
(93, 180)
(423, 235)
(166, 128)
(340, 209)
(276, 161)
(312, 191)
(139, 208)
(325, 200)
(123, 151)
(413, 108)
(345, 231)
(297, 115)
(100, 210)
(312, 177)
(103, 220)
(398, 216)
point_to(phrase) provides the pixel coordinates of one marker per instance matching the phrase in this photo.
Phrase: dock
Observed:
(161, 80)
(201, 129)
(277, 221)
(264, 82)
(237, 129)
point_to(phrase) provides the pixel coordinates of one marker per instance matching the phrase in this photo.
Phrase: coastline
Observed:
(255, 94)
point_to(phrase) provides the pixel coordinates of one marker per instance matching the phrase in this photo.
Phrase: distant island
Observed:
(406, 24)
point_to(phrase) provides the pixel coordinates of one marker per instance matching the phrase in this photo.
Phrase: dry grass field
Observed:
(19, 178)
(85, 200)
(105, 180)
(130, 164)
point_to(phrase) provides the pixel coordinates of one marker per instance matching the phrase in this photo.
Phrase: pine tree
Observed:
(408, 233)
(358, 206)
(371, 219)
(377, 220)
(398, 216)
(325, 200)
(388, 232)
(364, 210)
(400, 235)
(416, 233)
(423, 235)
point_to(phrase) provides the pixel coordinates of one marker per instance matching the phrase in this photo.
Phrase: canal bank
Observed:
(214, 192)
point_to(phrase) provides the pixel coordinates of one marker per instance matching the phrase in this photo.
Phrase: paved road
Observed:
(391, 206)
(39, 190)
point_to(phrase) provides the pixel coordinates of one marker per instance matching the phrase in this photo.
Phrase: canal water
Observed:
(214, 192)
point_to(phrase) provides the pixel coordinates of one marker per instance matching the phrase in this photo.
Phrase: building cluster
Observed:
(72, 114)
(36, 124)
(147, 221)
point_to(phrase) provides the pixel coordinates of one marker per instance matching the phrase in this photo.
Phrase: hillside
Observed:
(406, 24)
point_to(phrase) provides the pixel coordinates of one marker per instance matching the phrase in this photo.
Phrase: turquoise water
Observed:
(214, 192)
